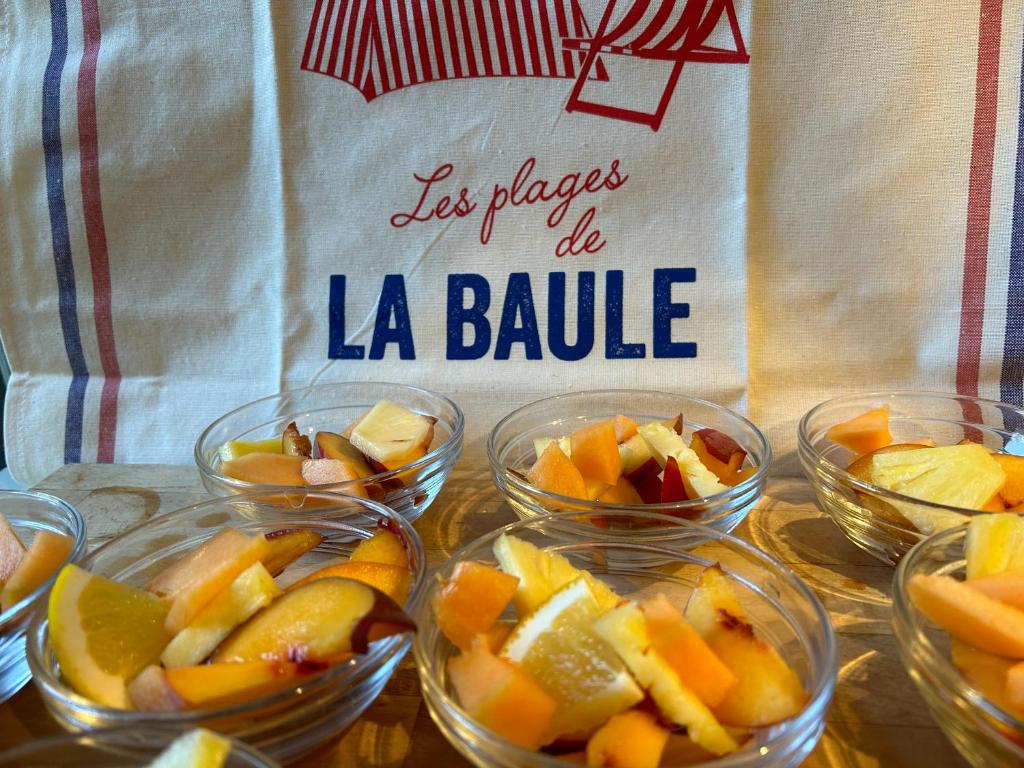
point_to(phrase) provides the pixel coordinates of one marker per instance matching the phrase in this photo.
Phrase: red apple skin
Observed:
(719, 444)
(649, 488)
(672, 487)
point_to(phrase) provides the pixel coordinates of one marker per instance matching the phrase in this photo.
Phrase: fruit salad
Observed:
(594, 678)
(966, 475)
(23, 570)
(386, 437)
(984, 612)
(227, 622)
(617, 461)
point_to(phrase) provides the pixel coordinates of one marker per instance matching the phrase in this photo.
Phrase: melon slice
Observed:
(43, 559)
(11, 550)
(864, 433)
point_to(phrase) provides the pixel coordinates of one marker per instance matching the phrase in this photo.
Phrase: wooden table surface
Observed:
(877, 718)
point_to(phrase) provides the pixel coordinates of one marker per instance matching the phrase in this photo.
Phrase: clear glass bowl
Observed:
(286, 724)
(410, 489)
(29, 512)
(510, 446)
(115, 748)
(983, 733)
(783, 610)
(865, 512)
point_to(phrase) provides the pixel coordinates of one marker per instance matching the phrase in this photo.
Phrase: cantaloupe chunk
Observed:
(985, 672)
(470, 602)
(595, 452)
(630, 739)
(265, 469)
(499, 695)
(622, 492)
(45, 555)
(742, 474)
(1015, 686)
(625, 428)
(993, 544)
(1006, 587)
(864, 433)
(384, 546)
(698, 667)
(1012, 491)
(969, 615)
(11, 550)
(555, 473)
(392, 580)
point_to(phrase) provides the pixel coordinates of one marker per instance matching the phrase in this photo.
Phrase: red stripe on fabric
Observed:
(350, 42)
(485, 44)
(516, 37)
(323, 35)
(336, 38)
(563, 32)
(396, 61)
(95, 232)
(467, 42)
(378, 49)
(421, 40)
(363, 51)
(435, 35)
(312, 33)
(499, 38)
(979, 199)
(536, 63)
(410, 56)
(549, 45)
(453, 42)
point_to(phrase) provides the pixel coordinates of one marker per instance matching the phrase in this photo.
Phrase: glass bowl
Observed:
(285, 724)
(982, 732)
(115, 748)
(408, 489)
(868, 514)
(29, 512)
(784, 611)
(510, 446)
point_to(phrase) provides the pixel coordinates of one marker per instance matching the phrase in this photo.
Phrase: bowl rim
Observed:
(807, 449)
(344, 674)
(80, 536)
(801, 724)
(453, 441)
(503, 477)
(917, 644)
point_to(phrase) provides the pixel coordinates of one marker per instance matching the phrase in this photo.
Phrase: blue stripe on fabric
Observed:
(53, 157)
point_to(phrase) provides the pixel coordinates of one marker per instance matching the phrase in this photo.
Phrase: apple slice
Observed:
(45, 555)
(234, 449)
(541, 443)
(316, 622)
(718, 452)
(633, 454)
(672, 487)
(625, 629)
(253, 589)
(332, 472)
(393, 435)
(11, 550)
(286, 546)
(663, 443)
(210, 685)
(194, 580)
(294, 443)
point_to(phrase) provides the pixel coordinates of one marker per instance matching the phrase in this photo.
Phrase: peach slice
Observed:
(333, 446)
(471, 601)
(44, 557)
(631, 739)
(1007, 587)
(499, 695)
(1012, 491)
(675, 424)
(555, 473)
(625, 428)
(11, 550)
(210, 685)
(384, 546)
(595, 452)
(969, 615)
(767, 689)
(392, 580)
(718, 452)
(698, 667)
(316, 622)
(265, 469)
(195, 579)
(294, 443)
(253, 589)
(864, 433)
(286, 546)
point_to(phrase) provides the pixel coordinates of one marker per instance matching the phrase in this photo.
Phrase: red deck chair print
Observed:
(674, 31)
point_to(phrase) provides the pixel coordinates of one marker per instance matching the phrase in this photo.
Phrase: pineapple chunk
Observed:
(540, 443)
(633, 453)
(393, 435)
(664, 442)
(199, 748)
(954, 475)
(994, 544)
(625, 629)
(234, 449)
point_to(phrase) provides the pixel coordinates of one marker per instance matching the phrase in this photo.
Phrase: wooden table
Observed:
(877, 717)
